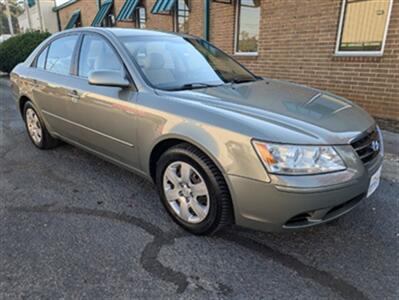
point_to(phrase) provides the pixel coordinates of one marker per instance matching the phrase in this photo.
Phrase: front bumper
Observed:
(292, 202)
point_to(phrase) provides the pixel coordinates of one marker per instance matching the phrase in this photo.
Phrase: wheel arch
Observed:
(172, 140)
(21, 104)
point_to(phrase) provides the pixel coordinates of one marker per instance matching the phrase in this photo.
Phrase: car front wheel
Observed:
(193, 190)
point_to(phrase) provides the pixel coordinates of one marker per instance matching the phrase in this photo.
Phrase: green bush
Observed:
(17, 48)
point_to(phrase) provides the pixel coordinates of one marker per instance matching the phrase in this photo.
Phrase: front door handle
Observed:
(74, 96)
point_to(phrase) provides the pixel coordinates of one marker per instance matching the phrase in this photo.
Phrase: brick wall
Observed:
(297, 43)
(88, 10)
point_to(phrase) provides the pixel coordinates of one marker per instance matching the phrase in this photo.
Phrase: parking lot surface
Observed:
(73, 226)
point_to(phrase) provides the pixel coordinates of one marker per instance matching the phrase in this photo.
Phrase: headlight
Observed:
(298, 160)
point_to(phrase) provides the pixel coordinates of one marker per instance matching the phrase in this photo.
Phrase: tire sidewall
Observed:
(180, 154)
(42, 141)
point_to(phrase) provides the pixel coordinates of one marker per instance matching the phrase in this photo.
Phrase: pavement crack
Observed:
(149, 261)
(325, 279)
(149, 256)
(121, 217)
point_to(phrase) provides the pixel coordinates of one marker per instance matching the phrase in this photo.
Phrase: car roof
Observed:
(123, 32)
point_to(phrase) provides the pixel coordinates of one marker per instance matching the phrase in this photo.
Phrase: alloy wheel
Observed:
(34, 127)
(186, 192)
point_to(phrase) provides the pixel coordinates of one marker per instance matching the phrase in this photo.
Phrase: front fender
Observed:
(232, 153)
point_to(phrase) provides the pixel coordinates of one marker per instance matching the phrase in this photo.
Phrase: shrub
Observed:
(17, 48)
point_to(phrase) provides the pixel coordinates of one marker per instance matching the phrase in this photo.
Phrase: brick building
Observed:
(348, 47)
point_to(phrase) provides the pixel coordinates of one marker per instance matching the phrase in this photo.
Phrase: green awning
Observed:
(73, 19)
(162, 6)
(31, 3)
(102, 13)
(127, 10)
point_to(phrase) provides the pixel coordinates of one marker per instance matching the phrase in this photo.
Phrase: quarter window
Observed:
(363, 26)
(182, 14)
(60, 55)
(41, 59)
(96, 54)
(247, 31)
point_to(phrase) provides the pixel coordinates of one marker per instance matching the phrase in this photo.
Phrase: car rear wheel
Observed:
(37, 131)
(193, 190)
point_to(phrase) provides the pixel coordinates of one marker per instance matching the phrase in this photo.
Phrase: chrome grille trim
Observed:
(363, 145)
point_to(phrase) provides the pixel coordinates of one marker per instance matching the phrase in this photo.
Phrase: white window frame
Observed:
(137, 18)
(236, 33)
(360, 53)
(176, 16)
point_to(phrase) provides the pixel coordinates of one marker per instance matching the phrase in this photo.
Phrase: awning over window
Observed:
(102, 13)
(162, 6)
(31, 3)
(127, 10)
(73, 20)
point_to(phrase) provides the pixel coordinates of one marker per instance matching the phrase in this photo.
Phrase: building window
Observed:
(363, 27)
(182, 13)
(247, 26)
(141, 17)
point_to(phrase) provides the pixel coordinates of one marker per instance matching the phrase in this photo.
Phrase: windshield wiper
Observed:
(191, 86)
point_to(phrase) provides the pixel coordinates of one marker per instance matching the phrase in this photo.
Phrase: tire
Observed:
(36, 128)
(213, 207)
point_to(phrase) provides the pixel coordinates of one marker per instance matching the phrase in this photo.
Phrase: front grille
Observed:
(367, 146)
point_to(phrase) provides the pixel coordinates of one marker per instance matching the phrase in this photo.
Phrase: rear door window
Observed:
(60, 54)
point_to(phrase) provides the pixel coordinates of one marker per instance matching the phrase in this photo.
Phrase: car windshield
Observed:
(178, 63)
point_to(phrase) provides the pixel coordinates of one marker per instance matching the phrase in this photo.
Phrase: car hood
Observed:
(309, 114)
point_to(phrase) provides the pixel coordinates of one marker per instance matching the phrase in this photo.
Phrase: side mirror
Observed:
(108, 78)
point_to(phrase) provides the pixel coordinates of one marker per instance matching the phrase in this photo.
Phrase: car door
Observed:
(52, 85)
(106, 114)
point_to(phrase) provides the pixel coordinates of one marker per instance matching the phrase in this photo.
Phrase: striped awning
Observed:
(73, 19)
(162, 6)
(127, 10)
(102, 13)
(31, 3)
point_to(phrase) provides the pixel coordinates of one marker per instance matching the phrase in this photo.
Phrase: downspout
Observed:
(28, 14)
(58, 21)
(206, 19)
(39, 12)
(58, 17)
(10, 26)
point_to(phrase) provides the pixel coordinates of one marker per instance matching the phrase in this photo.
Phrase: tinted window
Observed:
(41, 60)
(60, 54)
(97, 54)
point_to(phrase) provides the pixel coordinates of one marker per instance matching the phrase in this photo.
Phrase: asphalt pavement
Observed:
(73, 226)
